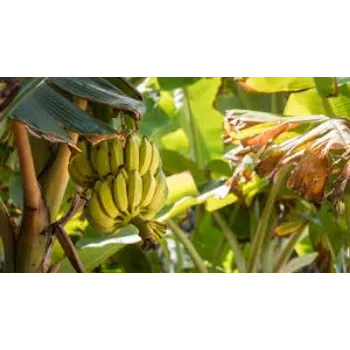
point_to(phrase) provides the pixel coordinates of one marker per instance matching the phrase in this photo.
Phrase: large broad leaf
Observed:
(27, 88)
(304, 103)
(49, 114)
(232, 96)
(311, 102)
(214, 200)
(100, 90)
(201, 122)
(276, 84)
(94, 252)
(180, 185)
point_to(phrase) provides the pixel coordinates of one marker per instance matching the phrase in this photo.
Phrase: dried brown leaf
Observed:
(259, 141)
(269, 160)
(310, 176)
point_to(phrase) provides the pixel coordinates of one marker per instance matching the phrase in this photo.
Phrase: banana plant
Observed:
(41, 119)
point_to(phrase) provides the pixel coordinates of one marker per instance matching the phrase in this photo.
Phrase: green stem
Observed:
(181, 236)
(274, 103)
(232, 240)
(328, 108)
(261, 231)
(179, 255)
(218, 253)
(287, 251)
(194, 141)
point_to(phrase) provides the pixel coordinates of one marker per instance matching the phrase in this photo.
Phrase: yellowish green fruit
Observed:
(106, 199)
(156, 161)
(146, 153)
(148, 188)
(120, 192)
(117, 155)
(132, 153)
(134, 190)
(102, 159)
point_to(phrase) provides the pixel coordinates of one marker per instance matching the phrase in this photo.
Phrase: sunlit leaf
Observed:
(181, 185)
(176, 141)
(310, 102)
(212, 204)
(187, 202)
(201, 122)
(276, 84)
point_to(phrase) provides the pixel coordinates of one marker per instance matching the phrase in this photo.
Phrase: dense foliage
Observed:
(256, 168)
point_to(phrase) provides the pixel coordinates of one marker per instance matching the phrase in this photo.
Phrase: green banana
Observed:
(93, 156)
(124, 173)
(132, 153)
(159, 198)
(102, 159)
(148, 188)
(134, 191)
(106, 199)
(83, 162)
(98, 226)
(77, 176)
(156, 161)
(145, 156)
(97, 214)
(117, 155)
(120, 192)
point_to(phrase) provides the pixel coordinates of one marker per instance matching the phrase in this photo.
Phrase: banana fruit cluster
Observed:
(127, 182)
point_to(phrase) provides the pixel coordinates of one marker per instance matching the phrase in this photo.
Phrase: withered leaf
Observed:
(310, 176)
(269, 160)
(286, 229)
(258, 141)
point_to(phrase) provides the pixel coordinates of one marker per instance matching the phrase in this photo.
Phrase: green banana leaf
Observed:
(101, 91)
(48, 113)
(27, 88)
(310, 102)
(200, 120)
(277, 84)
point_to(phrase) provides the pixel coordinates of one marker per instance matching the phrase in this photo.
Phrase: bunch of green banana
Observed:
(127, 182)
(126, 198)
